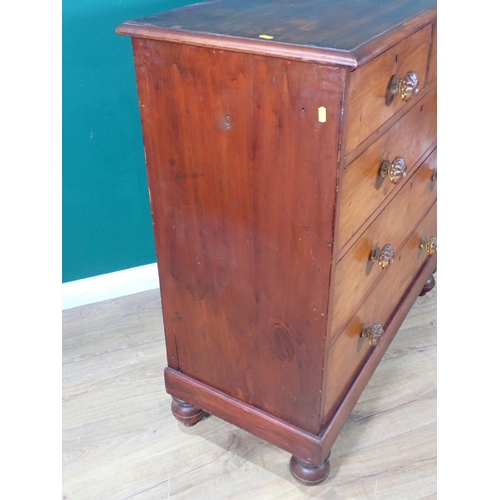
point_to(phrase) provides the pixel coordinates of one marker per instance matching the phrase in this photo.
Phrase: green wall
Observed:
(106, 217)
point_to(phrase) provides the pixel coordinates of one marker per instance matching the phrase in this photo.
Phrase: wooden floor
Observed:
(120, 440)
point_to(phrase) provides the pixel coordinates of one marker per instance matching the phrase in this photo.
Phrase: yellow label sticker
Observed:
(266, 37)
(322, 114)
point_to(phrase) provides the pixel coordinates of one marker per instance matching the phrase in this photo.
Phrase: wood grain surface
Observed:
(432, 73)
(366, 100)
(363, 190)
(120, 441)
(243, 217)
(330, 31)
(347, 350)
(355, 273)
(245, 156)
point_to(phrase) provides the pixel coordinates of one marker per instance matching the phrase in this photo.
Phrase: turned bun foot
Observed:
(186, 413)
(307, 473)
(428, 285)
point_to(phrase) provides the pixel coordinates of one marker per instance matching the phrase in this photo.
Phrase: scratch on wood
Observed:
(176, 348)
(315, 261)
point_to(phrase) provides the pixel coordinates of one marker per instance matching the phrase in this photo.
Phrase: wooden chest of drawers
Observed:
(291, 158)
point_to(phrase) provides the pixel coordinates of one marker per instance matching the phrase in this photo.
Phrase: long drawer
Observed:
(368, 103)
(355, 272)
(347, 350)
(363, 187)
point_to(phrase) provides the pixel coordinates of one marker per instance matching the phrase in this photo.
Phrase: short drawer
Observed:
(347, 350)
(369, 103)
(363, 187)
(355, 272)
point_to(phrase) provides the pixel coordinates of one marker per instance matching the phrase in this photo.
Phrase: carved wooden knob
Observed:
(429, 244)
(406, 87)
(372, 333)
(384, 255)
(395, 170)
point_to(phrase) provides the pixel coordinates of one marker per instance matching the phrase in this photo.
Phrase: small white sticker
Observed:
(322, 114)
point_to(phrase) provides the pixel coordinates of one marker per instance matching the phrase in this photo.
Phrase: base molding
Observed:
(258, 422)
(304, 446)
(110, 286)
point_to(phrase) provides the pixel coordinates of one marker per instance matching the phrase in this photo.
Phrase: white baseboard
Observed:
(109, 286)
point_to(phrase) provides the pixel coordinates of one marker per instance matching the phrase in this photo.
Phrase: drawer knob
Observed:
(429, 244)
(406, 87)
(434, 177)
(395, 170)
(384, 255)
(372, 333)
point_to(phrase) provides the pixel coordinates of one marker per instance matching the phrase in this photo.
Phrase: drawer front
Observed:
(347, 350)
(355, 272)
(363, 189)
(368, 102)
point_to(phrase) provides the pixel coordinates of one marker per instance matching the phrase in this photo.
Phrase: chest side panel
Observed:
(242, 177)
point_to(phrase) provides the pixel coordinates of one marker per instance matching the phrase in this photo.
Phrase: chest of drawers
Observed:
(291, 159)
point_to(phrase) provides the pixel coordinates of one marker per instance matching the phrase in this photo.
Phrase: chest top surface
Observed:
(325, 25)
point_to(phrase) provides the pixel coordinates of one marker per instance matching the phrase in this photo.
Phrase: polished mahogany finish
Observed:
(186, 413)
(326, 31)
(363, 189)
(371, 103)
(356, 272)
(428, 286)
(346, 349)
(432, 71)
(287, 262)
(243, 214)
(309, 474)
